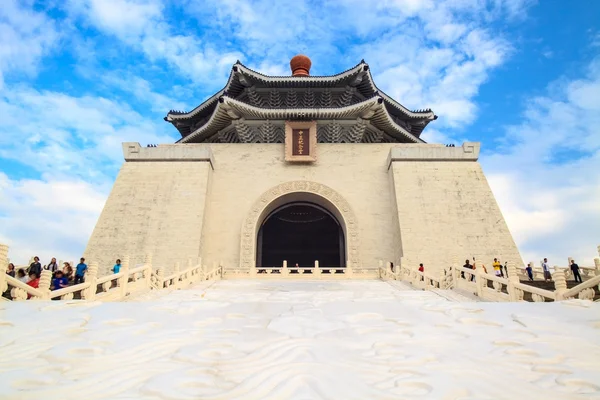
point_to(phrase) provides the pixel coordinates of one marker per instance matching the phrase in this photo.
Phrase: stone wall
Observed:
(447, 209)
(154, 207)
(191, 200)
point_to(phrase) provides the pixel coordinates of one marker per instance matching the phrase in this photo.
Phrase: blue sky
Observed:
(78, 77)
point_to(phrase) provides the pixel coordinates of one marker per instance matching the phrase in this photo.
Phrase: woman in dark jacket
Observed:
(52, 266)
(11, 270)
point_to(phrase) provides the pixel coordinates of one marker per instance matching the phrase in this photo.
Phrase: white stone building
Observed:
(301, 168)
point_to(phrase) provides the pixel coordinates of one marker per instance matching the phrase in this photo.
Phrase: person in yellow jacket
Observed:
(497, 267)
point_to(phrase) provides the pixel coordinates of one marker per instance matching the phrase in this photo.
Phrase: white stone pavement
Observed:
(299, 340)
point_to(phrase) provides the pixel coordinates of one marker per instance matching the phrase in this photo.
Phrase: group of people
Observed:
(502, 270)
(61, 278)
(499, 269)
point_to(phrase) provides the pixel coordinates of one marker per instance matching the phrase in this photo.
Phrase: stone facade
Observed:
(424, 203)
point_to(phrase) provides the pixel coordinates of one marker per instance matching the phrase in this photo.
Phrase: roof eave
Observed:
(235, 109)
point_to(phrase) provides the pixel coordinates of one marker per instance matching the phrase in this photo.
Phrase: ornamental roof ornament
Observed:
(300, 65)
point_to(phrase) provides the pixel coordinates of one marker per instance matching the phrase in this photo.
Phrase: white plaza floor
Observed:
(299, 340)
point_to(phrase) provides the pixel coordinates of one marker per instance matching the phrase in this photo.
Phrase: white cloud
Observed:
(70, 136)
(545, 173)
(126, 19)
(48, 217)
(143, 91)
(141, 25)
(26, 36)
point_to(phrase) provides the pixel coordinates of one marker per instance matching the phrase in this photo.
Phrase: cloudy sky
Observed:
(78, 77)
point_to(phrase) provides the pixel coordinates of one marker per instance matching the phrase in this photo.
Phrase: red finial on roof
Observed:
(300, 65)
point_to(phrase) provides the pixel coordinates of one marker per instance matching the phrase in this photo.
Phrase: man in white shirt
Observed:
(546, 270)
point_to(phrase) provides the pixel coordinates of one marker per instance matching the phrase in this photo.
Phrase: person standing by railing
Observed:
(59, 281)
(469, 266)
(34, 281)
(80, 271)
(575, 270)
(52, 266)
(10, 271)
(529, 270)
(117, 268)
(497, 267)
(546, 269)
(22, 276)
(67, 271)
(35, 266)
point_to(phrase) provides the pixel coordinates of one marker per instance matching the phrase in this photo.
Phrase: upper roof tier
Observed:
(300, 96)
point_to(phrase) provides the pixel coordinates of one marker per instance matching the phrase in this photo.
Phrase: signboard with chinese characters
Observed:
(300, 141)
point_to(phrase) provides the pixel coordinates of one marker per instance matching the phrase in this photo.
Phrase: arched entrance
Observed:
(292, 192)
(300, 232)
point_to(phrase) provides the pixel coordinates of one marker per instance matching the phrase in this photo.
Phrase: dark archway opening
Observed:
(301, 232)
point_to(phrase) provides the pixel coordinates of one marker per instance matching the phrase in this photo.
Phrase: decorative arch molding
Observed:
(272, 198)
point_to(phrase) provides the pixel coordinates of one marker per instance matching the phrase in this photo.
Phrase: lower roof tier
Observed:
(234, 121)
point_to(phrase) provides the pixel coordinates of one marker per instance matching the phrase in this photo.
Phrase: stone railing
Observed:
(312, 272)
(181, 279)
(420, 280)
(113, 287)
(490, 287)
(586, 272)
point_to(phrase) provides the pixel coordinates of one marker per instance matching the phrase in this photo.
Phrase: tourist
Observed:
(22, 276)
(80, 271)
(52, 266)
(421, 268)
(67, 271)
(546, 269)
(34, 281)
(529, 270)
(11, 270)
(59, 281)
(35, 266)
(117, 267)
(497, 267)
(468, 266)
(575, 270)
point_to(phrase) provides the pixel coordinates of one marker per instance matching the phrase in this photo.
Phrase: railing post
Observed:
(284, 268)
(160, 276)
(513, 278)
(560, 283)
(455, 272)
(3, 268)
(44, 284)
(478, 272)
(91, 276)
(124, 280)
(317, 270)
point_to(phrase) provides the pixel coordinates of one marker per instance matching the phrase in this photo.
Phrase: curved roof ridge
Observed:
(226, 108)
(362, 66)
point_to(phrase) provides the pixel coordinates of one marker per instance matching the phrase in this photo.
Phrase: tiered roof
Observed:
(240, 98)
